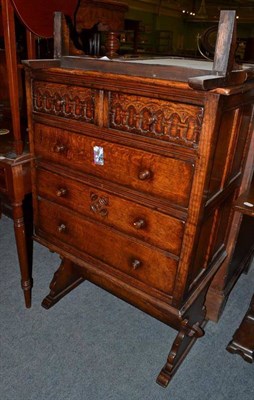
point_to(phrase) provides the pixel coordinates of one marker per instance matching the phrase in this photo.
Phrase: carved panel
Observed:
(174, 122)
(75, 102)
(99, 204)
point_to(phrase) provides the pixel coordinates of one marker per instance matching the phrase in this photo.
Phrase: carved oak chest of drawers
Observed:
(133, 182)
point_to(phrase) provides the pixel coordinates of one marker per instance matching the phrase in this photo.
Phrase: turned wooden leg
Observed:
(112, 44)
(22, 249)
(65, 279)
(180, 348)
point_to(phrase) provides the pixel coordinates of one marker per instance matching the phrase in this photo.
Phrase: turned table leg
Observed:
(16, 190)
(22, 249)
(18, 177)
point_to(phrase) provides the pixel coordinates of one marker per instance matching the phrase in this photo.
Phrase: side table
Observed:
(15, 185)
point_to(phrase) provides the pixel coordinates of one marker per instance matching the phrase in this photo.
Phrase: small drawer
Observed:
(145, 263)
(132, 218)
(162, 176)
(64, 101)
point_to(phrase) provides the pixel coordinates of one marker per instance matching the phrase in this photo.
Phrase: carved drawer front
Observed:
(162, 176)
(3, 183)
(135, 258)
(149, 225)
(65, 101)
(175, 122)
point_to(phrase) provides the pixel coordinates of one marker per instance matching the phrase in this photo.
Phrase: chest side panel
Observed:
(222, 185)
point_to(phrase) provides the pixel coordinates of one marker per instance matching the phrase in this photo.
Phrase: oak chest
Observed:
(134, 177)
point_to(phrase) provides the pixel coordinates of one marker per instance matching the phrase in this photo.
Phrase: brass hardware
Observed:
(144, 175)
(61, 228)
(139, 223)
(136, 263)
(61, 192)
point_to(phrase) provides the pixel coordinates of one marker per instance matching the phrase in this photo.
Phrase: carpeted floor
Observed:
(92, 346)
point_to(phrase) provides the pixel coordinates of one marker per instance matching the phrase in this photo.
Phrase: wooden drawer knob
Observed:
(139, 223)
(136, 263)
(61, 228)
(144, 175)
(61, 192)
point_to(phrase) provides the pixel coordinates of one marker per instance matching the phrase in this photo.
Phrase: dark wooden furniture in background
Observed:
(15, 158)
(96, 19)
(107, 12)
(15, 179)
(243, 338)
(136, 167)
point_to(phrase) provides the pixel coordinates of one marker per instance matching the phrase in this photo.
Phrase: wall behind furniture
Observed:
(185, 30)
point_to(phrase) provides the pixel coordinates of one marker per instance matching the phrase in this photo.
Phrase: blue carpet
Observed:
(92, 346)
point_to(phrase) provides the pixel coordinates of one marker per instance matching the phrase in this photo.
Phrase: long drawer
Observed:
(162, 176)
(145, 263)
(142, 222)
